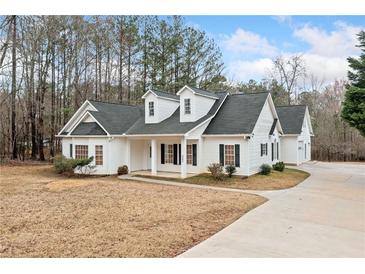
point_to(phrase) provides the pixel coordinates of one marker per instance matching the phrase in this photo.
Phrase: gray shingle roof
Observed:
(115, 118)
(204, 92)
(166, 94)
(172, 124)
(291, 118)
(238, 114)
(91, 128)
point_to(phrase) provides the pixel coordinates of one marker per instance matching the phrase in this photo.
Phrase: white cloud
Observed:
(338, 43)
(284, 19)
(242, 70)
(326, 68)
(326, 57)
(243, 41)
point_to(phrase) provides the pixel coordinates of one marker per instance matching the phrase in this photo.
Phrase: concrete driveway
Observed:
(322, 217)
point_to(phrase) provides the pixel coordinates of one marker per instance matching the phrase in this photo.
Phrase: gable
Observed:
(76, 117)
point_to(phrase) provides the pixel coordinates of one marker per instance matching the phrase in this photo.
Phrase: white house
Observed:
(181, 133)
(296, 140)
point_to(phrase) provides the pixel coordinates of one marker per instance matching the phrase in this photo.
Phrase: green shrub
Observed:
(67, 166)
(63, 165)
(265, 169)
(279, 166)
(230, 169)
(217, 171)
(84, 165)
(122, 170)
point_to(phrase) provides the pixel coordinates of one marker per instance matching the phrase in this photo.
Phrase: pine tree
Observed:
(353, 111)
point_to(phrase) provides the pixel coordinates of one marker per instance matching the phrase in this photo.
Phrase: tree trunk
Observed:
(13, 91)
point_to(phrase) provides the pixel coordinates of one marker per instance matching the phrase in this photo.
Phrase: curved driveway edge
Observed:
(324, 216)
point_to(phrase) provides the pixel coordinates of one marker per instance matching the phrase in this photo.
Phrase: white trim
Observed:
(152, 135)
(273, 110)
(226, 135)
(76, 114)
(210, 118)
(162, 97)
(87, 113)
(82, 136)
(194, 92)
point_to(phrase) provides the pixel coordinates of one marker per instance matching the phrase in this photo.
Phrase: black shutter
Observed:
(237, 155)
(194, 154)
(175, 154)
(221, 154)
(162, 153)
(266, 149)
(179, 154)
(70, 150)
(261, 149)
(272, 151)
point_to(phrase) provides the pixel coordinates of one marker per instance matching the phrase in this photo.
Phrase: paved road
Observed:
(322, 217)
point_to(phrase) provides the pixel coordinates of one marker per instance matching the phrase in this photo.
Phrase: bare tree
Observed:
(288, 71)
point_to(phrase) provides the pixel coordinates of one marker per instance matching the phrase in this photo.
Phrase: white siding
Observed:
(113, 155)
(211, 152)
(200, 106)
(289, 149)
(163, 108)
(261, 136)
(294, 147)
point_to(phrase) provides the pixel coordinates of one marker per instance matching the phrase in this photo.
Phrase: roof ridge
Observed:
(120, 104)
(163, 91)
(250, 93)
(301, 105)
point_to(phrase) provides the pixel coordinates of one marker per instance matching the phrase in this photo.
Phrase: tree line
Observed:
(49, 65)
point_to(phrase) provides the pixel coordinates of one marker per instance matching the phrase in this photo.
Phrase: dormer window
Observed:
(187, 106)
(151, 108)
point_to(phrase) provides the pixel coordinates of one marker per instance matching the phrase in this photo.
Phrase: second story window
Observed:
(187, 106)
(151, 108)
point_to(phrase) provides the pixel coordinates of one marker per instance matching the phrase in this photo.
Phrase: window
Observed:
(99, 155)
(229, 154)
(189, 154)
(187, 106)
(151, 108)
(82, 152)
(263, 149)
(169, 154)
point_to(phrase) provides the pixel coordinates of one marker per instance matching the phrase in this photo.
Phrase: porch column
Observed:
(154, 157)
(183, 158)
(128, 155)
(200, 154)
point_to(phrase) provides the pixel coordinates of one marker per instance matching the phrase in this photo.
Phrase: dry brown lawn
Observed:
(276, 180)
(46, 215)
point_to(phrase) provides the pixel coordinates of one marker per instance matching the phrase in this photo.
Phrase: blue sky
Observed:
(248, 43)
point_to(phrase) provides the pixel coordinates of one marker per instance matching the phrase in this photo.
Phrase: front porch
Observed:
(164, 156)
